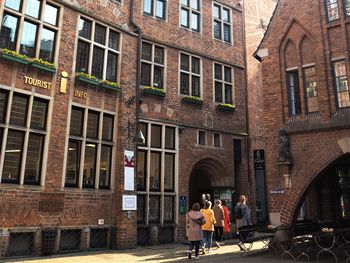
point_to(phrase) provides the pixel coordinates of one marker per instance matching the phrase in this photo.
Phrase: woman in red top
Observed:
(227, 223)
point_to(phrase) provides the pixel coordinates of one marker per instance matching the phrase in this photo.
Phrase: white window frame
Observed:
(99, 141)
(154, 7)
(205, 138)
(222, 23)
(191, 10)
(46, 133)
(162, 193)
(153, 64)
(105, 47)
(190, 74)
(223, 82)
(220, 140)
(40, 22)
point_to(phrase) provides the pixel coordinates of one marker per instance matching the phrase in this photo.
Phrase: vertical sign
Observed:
(129, 166)
(183, 205)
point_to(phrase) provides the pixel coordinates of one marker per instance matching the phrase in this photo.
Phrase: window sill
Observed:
(223, 42)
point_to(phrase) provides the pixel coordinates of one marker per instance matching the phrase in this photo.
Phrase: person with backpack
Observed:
(194, 222)
(242, 212)
(208, 227)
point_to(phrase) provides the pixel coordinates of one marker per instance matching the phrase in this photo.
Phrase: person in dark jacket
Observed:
(242, 212)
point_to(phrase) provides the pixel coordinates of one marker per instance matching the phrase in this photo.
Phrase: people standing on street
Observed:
(208, 227)
(220, 222)
(227, 222)
(242, 215)
(194, 229)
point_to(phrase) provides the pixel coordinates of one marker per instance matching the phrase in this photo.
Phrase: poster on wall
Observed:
(129, 202)
(129, 166)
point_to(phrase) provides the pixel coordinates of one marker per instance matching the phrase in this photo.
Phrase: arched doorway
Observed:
(328, 196)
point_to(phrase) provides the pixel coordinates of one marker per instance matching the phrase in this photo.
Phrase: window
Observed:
(98, 50)
(346, 5)
(293, 92)
(190, 75)
(152, 66)
(90, 148)
(310, 86)
(202, 138)
(156, 165)
(222, 23)
(155, 8)
(341, 84)
(217, 140)
(30, 29)
(190, 14)
(23, 137)
(332, 10)
(223, 83)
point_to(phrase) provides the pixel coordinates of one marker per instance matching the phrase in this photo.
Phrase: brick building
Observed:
(305, 60)
(78, 79)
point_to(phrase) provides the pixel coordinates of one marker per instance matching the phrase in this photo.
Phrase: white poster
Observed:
(129, 166)
(129, 202)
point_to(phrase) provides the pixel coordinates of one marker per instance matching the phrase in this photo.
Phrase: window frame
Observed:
(222, 23)
(335, 81)
(147, 191)
(306, 97)
(84, 140)
(189, 9)
(191, 74)
(154, 9)
(327, 4)
(106, 48)
(27, 130)
(290, 109)
(39, 22)
(205, 137)
(220, 140)
(223, 83)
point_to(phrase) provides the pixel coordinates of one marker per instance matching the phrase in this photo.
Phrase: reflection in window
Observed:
(47, 47)
(34, 157)
(105, 166)
(169, 209)
(33, 8)
(341, 84)
(51, 14)
(89, 165)
(141, 170)
(8, 34)
(154, 207)
(310, 86)
(332, 10)
(19, 110)
(39, 114)
(93, 124)
(107, 130)
(28, 41)
(190, 15)
(294, 93)
(76, 123)
(155, 170)
(169, 171)
(13, 4)
(73, 161)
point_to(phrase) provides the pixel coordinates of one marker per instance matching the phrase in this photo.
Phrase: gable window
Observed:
(98, 50)
(191, 14)
(223, 83)
(222, 23)
(30, 29)
(23, 137)
(217, 140)
(310, 86)
(155, 8)
(152, 66)
(202, 138)
(332, 10)
(190, 75)
(90, 146)
(293, 92)
(341, 84)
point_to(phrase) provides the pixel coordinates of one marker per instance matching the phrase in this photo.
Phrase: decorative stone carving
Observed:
(283, 141)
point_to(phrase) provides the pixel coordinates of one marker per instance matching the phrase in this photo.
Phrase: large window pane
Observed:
(8, 35)
(216, 11)
(217, 141)
(228, 94)
(169, 209)
(160, 8)
(294, 93)
(156, 136)
(89, 165)
(19, 110)
(227, 33)
(184, 18)
(141, 209)
(195, 4)
(73, 163)
(195, 86)
(141, 170)
(169, 138)
(47, 44)
(196, 65)
(3, 105)
(218, 72)
(97, 62)
(93, 124)
(146, 74)
(159, 55)
(14, 4)
(83, 56)
(107, 130)
(158, 77)
(146, 51)
(144, 130)
(28, 41)
(13, 157)
(195, 21)
(341, 83)
(100, 34)
(333, 10)
(227, 76)
(185, 62)
(154, 209)
(39, 114)
(85, 28)
(184, 84)
(105, 166)
(33, 8)
(218, 92)
(147, 6)
(226, 15)
(34, 159)
(76, 122)
(310, 85)
(169, 171)
(113, 40)
(217, 29)
(201, 137)
(154, 172)
(51, 14)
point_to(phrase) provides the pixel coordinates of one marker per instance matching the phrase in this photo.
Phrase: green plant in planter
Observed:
(110, 85)
(89, 79)
(193, 99)
(153, 91)
(226, 107)
(43, 65)
(14, 56)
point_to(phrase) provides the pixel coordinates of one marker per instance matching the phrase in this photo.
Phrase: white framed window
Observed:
(155, 8)
(24, 132)
(152, 65)
(190, 75)
(341, 84)
(98, 50)
(202, 137)
(31, 28)
(217, 139)
(190, 14)
(156, 174)
(90, 148)
(223, 84)
(222, 23)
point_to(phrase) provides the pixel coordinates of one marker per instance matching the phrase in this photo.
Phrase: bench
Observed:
(256, 233)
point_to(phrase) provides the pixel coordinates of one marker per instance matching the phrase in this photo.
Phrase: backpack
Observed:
(239, 212)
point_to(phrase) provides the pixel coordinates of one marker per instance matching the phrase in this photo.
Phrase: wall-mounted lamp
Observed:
(140, 138)
(181, 129)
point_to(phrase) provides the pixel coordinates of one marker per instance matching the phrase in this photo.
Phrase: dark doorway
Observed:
(199, 185)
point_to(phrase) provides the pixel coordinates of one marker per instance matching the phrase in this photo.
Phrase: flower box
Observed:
(109, 87)
(43, 67)
(14, 58)
(226, 107)
(193, 100)
(153, 91)
(88, 80)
